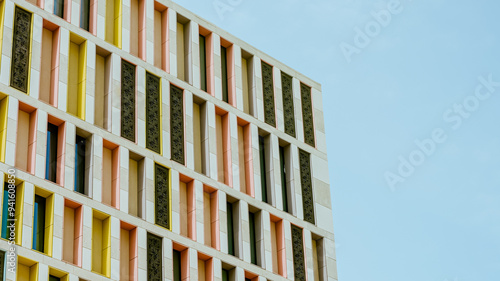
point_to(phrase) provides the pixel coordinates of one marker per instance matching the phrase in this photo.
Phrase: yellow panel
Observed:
(82, 79)
(106, 247)
(198, 167)
(34, 272)
(180, 51)
(96, 245)
(3, 123)
(23, 272)
(201, 270)
(244, 73)
(49, 224)
(19, 212)
(118, 23)
(2, 9)
(73, 73)
(109, 25)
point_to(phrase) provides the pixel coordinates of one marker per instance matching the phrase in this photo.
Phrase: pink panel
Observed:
(231, 77)
(185, 265)
(280, 240)
(41, 3)
(191, 209)
(133, 255)
(93, 17)
(54, 75)
(32, 141)
(115, 188)
(61, 153)
(209, 270)
(226, 143)
(247, 135)
(209, 45)
(214, 215)
(142, 30)
(78, 244)
(67, 10)
(165, 48)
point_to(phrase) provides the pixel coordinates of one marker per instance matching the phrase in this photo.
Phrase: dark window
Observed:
(80, 153)
(85, 14)
(283, 179)
(39, 224)
(162, 196)
(177, 265)
(128, 101)
(203, 63)
(8, 216)
(223, 56)
(307, 114)
(51, 156)
(263, 180)
(253, 240)
(268, 91)
(230, 229)
(21, 44)
(298, 254)
(225, 275)
(153, 115)
(59, 8)
(177, 124)
(305, 182)
(53, 278)
(2, 265)
(154, 258)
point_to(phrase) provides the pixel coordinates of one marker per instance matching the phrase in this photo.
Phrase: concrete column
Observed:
(275, 184)
(87, 238)
(321, 192)
(115, 92)
(267, 263)
(150, 21)
(41, 142)
(75, 12)
(298, 210)
(101, 20)
(168, 260)
(36, 51)
(96, 188)
(198, 191)
(222, 221)
(195, 54)
(124, 184)
(62, 94)
(188, 130)
(10, 146)
(212, 141)
(90, 82)
(237, 274)
(165, 121)
(238, 76)
(254, 130)
(126, 20)
(69, 161)
(141, 106)
(245, 253)
(257, 90)
(7, 42)
(193, 264)
(330, 266)
(27, 225)
(297, 104)
(149, 167)
(288, 249)
(235, 167)
(216, 67)
(48, 6)
(142, 254)
(115, 248)
(278, 99)
(172, 40)
(217, 264)
(176, 216)
(308, 254)
(57, 241)
(43, 272)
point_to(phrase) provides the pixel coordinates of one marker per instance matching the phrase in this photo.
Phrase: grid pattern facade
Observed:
(140, 142)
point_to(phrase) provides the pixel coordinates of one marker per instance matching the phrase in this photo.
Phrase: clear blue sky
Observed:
(443, 222)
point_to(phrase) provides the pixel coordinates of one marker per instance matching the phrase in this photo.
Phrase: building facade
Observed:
(140, 142)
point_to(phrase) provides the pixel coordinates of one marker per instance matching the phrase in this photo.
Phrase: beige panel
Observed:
(220, 148)
(69, 234)
(241, 159)
(157, 39)
(180, 51)
(22, 142)
(110, 21)
(274, 244)
(244, 73)
(198, 158)
(46, 65)
(183, 209)
(315, 260)
(207, 219)
(134, 27)
(107, 175)
(74, 51)
(132, 187)
(100, 74)
(201, 270)
(124, 255)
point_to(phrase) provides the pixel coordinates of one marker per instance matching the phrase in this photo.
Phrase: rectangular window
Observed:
(81, 164)
(128, 101)
(21, 50)
(110, 174)
(224, 76)
(153, 113)
(73, 232)
(2, 266)
(128, 252)
(268, 91)
(278, 246)
(183, 48)
(210, 217)
(187, 205)
(200, 139)
(53, 278)
(307, 114)
(103, 89)
(101, 243)
(113, 23)
(177, 124)
(77, 76)
(245, 158)
(230, 229)
(306, 183)
(177, 265)
(224, 169)
(162, 196)
(253, 237)
(161, 48)
(26, 138)
(225, 275)
(137, 28)
(203, 63)
(284, 177)
(26, 269)
(43, 221)
(54, 149)
(59, 8)
(319, 266)
(263, 168)
(85, 14)
(49, 67)
(12, 211)
(136, 191)
(247, 81)
(288, 109)
(298, 253)
(155, 257)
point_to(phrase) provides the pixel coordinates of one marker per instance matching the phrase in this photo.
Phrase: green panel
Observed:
(230, 229)
(298, 254)
(268, 91)
(177, 124)
(307, 114)
(53, 278)
(154, 257)
(128, 101)
(306, 183)
(284, 192)
(225, 275)
(177, 265)
(263, 178)
(288, 109)
(253, 241)
(223, 56)
(21, 45)
(153, 114)
(162, 196)
(203, 63)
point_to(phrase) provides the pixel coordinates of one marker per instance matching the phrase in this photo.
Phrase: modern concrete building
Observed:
(141, 142)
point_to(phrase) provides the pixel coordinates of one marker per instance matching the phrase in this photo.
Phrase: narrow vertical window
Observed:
(210, 217)
(128, 252)
(161, 48)
(102, 88)
(268, 92)
(200, 137)
(26, 138)
(306, 183)
(51, 155)
(278, 246)
(245, 158)
(73, 232)
(162, 196)
(4, 100)
(2, 265)
(224, 169)
(113, 22)
(9, 201)
(263, 170)
(136, 191)
(59, 8)
(177, 124)
(137, 28)
(253, 240)
(155, 256)
(101, 243)
(230, 229)
(80, 163)
(223, 57)
(21, 44)
(110, 174)
(318, 253)
(298, 253)
(39, 224)
(177, 265)
(153, 114)
(77, 76)
(26, 269)
(187, 205)
(283, 172)
(203, 63)
(53, 278)
(183, 48)
(307, 114)
(49, 67)
(225, 275)
(288, 109)
(128, 101)
(247, 81)
(85, 14)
